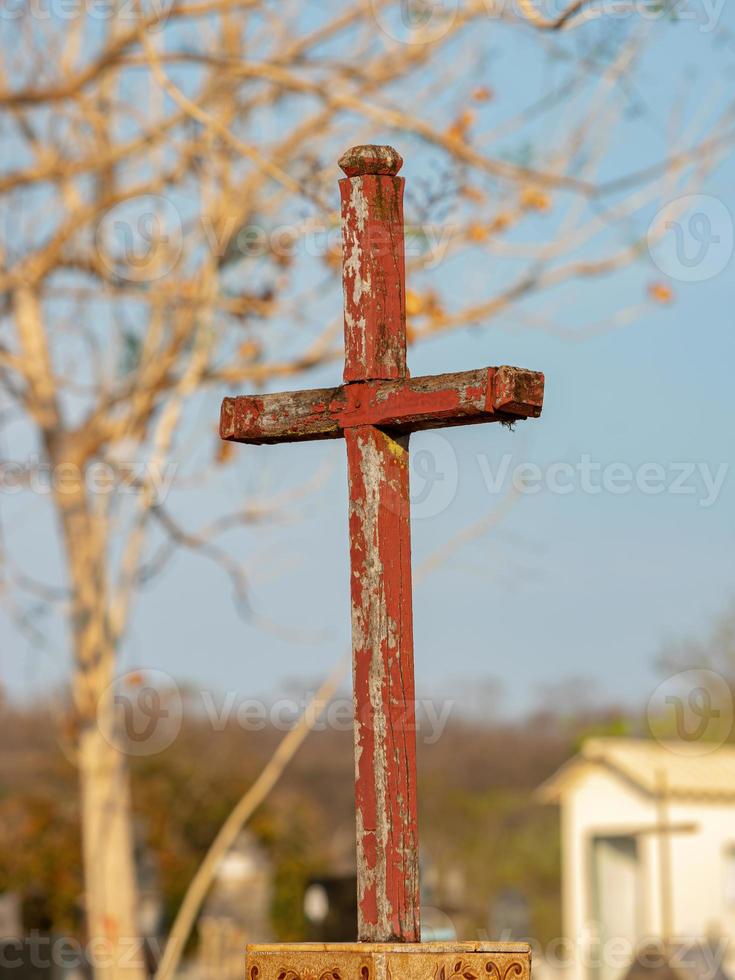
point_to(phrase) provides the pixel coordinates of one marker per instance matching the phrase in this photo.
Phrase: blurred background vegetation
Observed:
(477, 810)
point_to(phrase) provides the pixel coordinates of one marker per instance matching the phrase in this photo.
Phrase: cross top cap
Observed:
(371, 159)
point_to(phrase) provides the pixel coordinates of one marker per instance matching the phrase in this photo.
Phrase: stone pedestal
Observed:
(389, 961)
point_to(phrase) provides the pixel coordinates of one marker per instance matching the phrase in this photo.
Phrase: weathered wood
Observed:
(373, 280)
(516, 390)
(369, 158)
(373, 273)
(384, 727)
(465, 398)
(399, 961)
(375, 411)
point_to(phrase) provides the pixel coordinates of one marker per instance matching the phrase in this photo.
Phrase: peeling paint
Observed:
(359, 205)
(385, 790)
(372, 276)
(402, 406)
(375, 411)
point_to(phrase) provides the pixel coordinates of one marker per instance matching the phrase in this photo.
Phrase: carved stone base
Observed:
(389, 961)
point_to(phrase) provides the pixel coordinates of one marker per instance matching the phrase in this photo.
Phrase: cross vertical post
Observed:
(373, 277)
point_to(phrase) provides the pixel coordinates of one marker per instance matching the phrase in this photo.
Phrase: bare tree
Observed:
(171, 226)
(715, 651)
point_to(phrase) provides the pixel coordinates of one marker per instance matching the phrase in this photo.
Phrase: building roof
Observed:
(680, 768)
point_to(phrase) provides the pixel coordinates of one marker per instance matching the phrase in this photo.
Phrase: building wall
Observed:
(699, 869)
(599, 804)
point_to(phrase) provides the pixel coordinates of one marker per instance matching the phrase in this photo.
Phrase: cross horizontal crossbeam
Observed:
(501, 394)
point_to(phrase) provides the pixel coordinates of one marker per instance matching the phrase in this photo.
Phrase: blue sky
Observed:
(569, 585)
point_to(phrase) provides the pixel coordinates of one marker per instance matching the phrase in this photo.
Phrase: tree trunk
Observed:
(110, 886)
(107, 837)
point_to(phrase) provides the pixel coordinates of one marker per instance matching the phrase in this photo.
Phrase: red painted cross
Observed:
(375, 411)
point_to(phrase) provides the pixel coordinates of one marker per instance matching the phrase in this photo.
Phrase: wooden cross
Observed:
(375, 411)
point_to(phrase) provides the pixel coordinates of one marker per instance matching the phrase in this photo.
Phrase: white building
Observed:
(648, 849)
